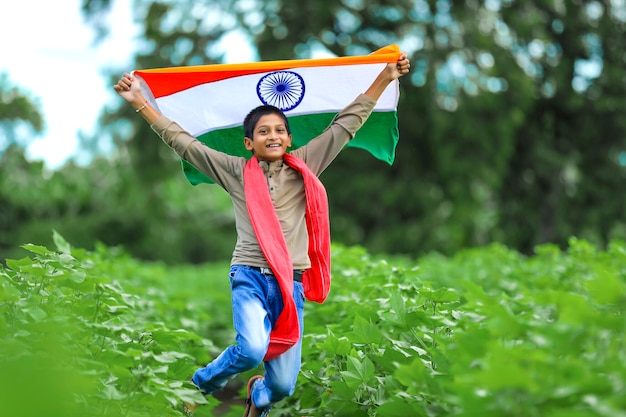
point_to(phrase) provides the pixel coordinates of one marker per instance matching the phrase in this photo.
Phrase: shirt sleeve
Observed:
(220, 167)
(323, 149)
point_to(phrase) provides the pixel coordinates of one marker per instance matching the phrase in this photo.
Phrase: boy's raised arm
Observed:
(392, 71)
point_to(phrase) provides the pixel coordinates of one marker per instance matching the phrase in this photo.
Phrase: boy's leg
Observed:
(281, 373)
(253, 326)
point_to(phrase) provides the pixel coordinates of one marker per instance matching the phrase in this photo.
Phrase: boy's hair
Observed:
(253, 118)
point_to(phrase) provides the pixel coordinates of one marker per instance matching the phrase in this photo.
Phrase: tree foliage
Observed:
(511, 121)
(106, 202)
(18, 109)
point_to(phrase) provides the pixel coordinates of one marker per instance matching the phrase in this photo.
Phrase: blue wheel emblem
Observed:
(283, 89)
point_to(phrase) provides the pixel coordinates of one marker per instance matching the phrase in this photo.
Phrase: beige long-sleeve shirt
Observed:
(285, 184)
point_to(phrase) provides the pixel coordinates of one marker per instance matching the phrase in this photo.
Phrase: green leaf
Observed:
(36, 313)
(361, 370)
(110, 392)
(35, 269)
(8, 293)
(39, 250)
(606, 288)
(441, 295)
(399, 408)
(342, 391)
(17, 264)
(398, 306)
(77, 277)
(61, 243)
(169, 357)
(574, 308)
(336, 346)
(412, 374)
(365, 331)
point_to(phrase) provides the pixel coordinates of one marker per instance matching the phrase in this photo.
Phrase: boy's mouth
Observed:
(273, 145)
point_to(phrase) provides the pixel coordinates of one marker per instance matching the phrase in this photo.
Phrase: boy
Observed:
(275, 195)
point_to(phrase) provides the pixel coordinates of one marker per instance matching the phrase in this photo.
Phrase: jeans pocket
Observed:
(298, 295)
(232, 276)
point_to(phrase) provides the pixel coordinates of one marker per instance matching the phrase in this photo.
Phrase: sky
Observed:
(48, 51)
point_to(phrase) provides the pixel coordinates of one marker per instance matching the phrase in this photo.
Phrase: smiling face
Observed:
(270, 138)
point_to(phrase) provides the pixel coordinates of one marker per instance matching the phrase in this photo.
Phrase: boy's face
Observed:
(271, 139)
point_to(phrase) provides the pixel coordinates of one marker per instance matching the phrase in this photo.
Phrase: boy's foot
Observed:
(251, 410)
(188, 409)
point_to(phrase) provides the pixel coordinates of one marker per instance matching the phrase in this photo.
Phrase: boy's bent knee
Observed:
(249, 357)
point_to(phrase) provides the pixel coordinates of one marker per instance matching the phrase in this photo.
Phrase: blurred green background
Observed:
(512, 130)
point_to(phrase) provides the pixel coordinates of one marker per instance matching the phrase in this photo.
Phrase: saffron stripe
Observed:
(166, 81)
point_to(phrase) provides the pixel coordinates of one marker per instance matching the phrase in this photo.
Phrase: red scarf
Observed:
(316, 280)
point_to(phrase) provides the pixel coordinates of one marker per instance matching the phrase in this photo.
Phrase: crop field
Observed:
(487, 332)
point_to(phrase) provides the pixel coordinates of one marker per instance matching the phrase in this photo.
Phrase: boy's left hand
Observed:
(400, 67)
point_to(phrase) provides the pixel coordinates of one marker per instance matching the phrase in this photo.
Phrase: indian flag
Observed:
(211, 101)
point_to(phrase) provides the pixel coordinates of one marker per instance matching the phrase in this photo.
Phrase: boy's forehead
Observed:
(270, 119)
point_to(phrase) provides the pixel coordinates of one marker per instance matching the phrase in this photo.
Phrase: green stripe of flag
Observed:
(379, 136)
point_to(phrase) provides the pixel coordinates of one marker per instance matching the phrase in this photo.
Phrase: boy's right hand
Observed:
(129, 89)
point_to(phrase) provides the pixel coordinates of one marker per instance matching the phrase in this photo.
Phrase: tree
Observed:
(506, 134)
(513, 150)
(17, 110)
(568, 155)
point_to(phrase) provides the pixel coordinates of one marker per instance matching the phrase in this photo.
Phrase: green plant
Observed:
(487, 332)
(74, 342)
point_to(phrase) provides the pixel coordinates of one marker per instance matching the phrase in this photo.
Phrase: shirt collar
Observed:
(271, 166)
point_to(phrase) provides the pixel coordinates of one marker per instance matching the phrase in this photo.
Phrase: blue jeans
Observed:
(257, 302)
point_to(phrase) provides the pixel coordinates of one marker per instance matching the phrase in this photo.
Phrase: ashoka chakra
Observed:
(283, 89)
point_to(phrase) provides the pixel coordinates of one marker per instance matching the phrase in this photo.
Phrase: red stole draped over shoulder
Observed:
(316, 280)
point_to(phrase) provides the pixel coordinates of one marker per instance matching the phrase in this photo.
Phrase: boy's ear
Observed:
(247, 142)
(289, 144)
